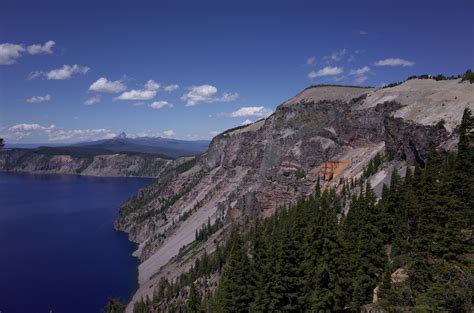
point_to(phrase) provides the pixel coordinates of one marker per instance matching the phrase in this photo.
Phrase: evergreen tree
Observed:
(325, 268)
(463, 184)
(368, 257)
(237, 288)
(194, 300)
(114, 306)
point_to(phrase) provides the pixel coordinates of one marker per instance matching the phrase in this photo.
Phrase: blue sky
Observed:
(85, 70)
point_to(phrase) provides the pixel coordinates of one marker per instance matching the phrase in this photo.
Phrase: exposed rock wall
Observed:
(253, 170)
(23, 160)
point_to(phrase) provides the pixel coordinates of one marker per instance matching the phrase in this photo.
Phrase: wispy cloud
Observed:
(206, 94)
(92, 100)
(81, 134)
(46, 48)
(363, 32)
(54, 133)
(336, 55)
(64, 73)
(38, 99)
(148, 92)
(10, 53)
(108, 86)
(311, 61)
(247, 122)
(259, 112)
(29, 127)
(160, 105)
(360, 79)
(326, 71)
(360, 74)
(394, 62)
(169, 133)
(171, 88)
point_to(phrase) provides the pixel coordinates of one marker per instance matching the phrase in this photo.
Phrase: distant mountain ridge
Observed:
(173, 148)
(119, 156)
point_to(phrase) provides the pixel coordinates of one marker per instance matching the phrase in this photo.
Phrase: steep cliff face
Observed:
(23, 160)
(252, 170)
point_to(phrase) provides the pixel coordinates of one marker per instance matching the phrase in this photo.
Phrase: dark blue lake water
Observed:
(58, 248)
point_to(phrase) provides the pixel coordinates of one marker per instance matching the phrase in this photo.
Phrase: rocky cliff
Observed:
(251, 171)
(120, 164)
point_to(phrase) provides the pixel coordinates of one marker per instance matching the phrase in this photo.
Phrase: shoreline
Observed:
(75, 174)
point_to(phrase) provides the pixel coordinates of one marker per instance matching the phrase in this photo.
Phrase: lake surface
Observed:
(58, 248)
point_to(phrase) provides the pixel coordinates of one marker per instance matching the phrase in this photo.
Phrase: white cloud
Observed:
(206, 93)
(171, 88)
(247, 122)
(160, 104)
(169, 133)
(81, 134)
(137, 95)
(360, 71)
(327, 71)
(203, 93)
(360, 79)
(53, 133)
(38, 99)
(30, 127)
(227, 97)
(394, 62)
(105, 85)
(92, 100)
(252, 111)
(311, 61)
(214, 133)
(152, 85)
(46, 48)
(63, 73)
(360, 74)
(336, 55)
(9, 53)
(362, 32)
(149, 92)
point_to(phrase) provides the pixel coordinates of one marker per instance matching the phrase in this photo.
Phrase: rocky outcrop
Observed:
(24, 160)
(251, 171)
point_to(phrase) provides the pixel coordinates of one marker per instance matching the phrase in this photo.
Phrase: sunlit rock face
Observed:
(253, 170)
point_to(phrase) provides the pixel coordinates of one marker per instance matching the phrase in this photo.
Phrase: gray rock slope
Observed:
(119, 164)
(251, 171)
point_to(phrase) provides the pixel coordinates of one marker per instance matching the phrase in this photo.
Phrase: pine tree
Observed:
(262, 268)
(237, 287)
(325, 269)
(194, 300)
(368, 256)
(463, 184)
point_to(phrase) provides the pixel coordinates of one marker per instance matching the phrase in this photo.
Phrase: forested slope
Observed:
(411, 250)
